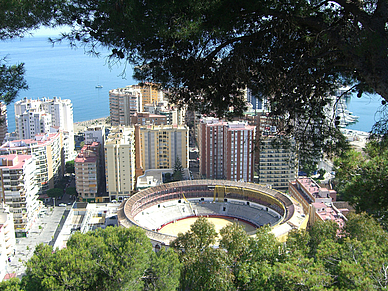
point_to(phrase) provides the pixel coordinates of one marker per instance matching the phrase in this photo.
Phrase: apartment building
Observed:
(120, 162)
(317, 201)
(162, 145)
(32, 122)
(88, 172)
(19, 190)
(3, 122)
(151, 94)
(277, 162)
(226, 149)
(41, 116)
(7, 238)
(94, 134)
(145, 118)
(47, 150)
(123, 104)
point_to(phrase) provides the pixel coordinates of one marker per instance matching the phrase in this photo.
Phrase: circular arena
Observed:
(165, 210)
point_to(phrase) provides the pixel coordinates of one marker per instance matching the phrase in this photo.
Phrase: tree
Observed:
(12, 284)
(361, 179)
(203, 267)
(70, 167)
(296, 54)
(177, 174)
(104, 259)
(54, 192)
(71, 191)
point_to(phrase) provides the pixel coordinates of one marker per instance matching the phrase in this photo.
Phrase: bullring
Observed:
(153, 208)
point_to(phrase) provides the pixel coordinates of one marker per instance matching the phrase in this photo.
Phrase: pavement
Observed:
(43, 231)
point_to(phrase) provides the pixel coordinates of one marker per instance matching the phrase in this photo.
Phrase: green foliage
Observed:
(201, 235)
(164, 271)
(71, 191)
(177, 175)
(54, 192)
(12, 284)
(70, 167)
(317, 259)
(11, 81)
(19, 17)
(105, 259)
(295, 53)
(361, 179)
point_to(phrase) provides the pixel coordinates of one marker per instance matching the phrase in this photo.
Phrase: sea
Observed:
(70, 73)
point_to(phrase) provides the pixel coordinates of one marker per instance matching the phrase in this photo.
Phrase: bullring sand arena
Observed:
(183, 225)
(165, 210)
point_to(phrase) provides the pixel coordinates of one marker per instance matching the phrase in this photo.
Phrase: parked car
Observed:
(62, 204)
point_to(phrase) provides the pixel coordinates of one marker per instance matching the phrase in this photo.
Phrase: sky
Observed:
(47, 31)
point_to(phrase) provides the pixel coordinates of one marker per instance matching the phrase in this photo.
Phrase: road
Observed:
(43, 231)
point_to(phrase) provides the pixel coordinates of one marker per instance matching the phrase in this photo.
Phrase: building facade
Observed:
(3, 122)
(317, 201)
(19, 190)
(47, 150)
(277, 163)
(88, 172)
(7, 238)
(226, 150)
(123, 104)
(145, 118)
(161, 146)
(41, 116)
(32, 122)
(120, 163)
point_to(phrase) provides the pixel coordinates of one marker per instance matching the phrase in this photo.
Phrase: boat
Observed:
(99, 86)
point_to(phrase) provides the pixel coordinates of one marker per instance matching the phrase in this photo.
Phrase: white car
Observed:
(62, 204)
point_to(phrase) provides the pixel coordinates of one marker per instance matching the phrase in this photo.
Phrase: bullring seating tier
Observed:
(158, 215)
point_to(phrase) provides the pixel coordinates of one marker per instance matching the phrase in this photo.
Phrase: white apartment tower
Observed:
(120, 163)
(32, 122)
(19, 190)
(42, 115)
(123, 104)
(7, 238)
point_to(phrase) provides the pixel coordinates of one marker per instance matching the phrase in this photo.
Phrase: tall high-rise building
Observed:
(32, 122)
(276, 160)
(226, 150)
(40, 116)
(151, 94)
(88, 172)
(277, 163)
(3, 122)
(123, 104)
(7, 238)
(19, 190)
(120, 163)
(162, 145)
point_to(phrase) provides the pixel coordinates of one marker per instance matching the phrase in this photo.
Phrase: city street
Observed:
(42, 231)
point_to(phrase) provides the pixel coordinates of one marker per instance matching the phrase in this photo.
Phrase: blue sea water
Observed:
(71, 74)
(67, 73)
